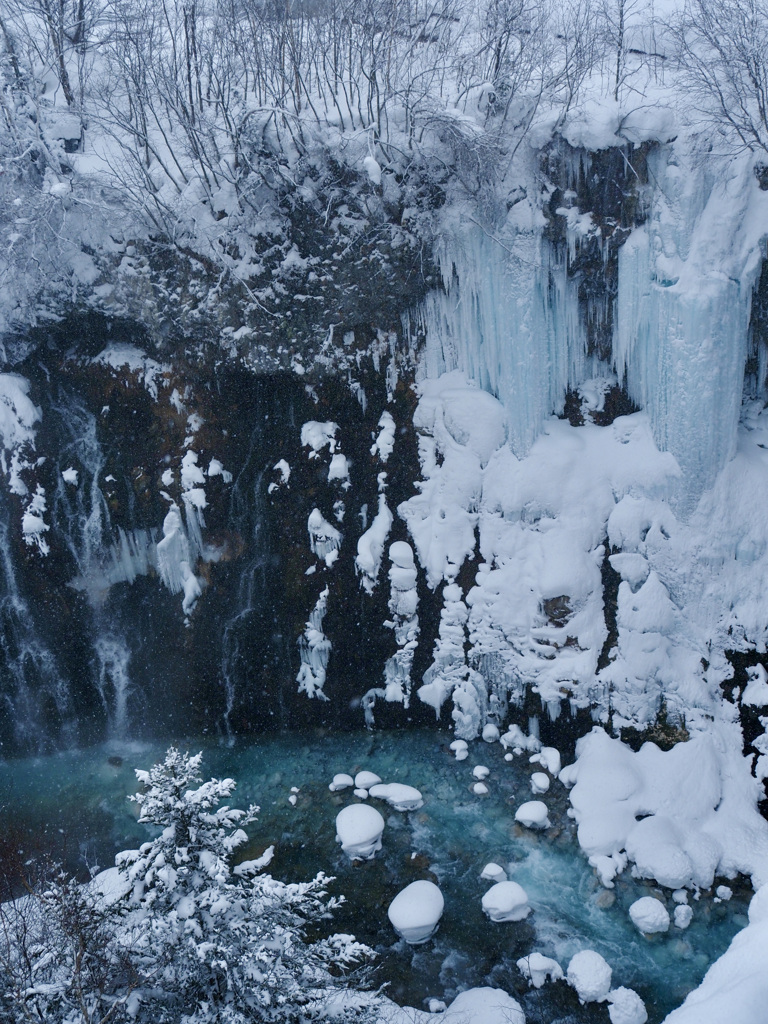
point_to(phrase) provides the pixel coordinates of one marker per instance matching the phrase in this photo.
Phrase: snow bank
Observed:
(696, 805)
(475, 1006)
(735, 988)
(415, 911)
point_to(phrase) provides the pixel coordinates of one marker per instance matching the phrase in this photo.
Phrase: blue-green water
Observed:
(73, 805)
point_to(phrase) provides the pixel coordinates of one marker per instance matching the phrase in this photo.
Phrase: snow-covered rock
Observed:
(590, 975)
(341, 781)
(366, 779)
(416, 910)
(539, 782)
(533, 814)
(538, 968)
(683, 915)
(359, 829)
(480, 772)
(549, 758)
(626, 1007)
(494, 872)
(649, 915)
(398, 795)
(506, 901)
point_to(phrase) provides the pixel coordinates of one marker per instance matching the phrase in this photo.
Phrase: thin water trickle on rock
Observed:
(73, 805)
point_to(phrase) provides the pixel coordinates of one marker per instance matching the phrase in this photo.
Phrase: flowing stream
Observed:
(72, 806)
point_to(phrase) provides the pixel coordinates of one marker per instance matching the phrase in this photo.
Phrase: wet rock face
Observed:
(611, 187)
(100, 639)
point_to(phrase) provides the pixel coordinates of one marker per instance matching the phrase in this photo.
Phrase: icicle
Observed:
(509, 319)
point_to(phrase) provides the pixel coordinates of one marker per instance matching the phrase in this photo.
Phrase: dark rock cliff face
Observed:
(612, 186)
(95, 645)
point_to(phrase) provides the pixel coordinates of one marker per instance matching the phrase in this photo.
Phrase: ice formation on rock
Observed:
(370, 546)
(403, 603)
(314, 651)
(324, 539)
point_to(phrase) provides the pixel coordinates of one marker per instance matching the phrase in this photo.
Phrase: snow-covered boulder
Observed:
(398, 795)
(358, 829)
(683, 915)
(494, 872)
(460, 751)
(626, 1007)
(416, 910)
(590, 975)
(549, 758)
(533, 814)
(506, 901)
(364, 780)
(480, 789)
(341, 781)
(490, 732)
(480, 772)
(537, 968)
(483, 1006)
(539, 782)
(649, 915)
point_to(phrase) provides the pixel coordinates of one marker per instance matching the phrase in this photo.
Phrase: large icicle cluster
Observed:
(682, 316)
(508, 317)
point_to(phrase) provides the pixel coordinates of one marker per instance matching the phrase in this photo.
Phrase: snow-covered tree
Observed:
(185, 937)
(230, 943)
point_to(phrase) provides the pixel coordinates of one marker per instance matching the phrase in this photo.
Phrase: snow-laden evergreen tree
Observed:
(185, 937)
(230, 944)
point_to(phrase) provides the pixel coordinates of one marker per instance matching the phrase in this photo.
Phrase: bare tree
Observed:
(722, 55)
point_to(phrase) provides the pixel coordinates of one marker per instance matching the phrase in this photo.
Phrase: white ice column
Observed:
(682, 315)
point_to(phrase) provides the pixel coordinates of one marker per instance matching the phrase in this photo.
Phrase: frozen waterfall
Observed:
(508, 317)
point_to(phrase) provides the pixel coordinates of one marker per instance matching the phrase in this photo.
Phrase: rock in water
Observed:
(415, 911)
(358, 829)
